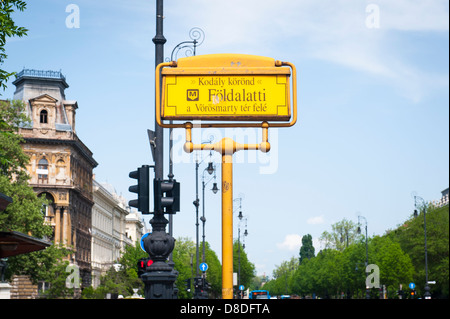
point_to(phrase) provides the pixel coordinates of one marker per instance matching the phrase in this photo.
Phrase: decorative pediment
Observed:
(44, 98)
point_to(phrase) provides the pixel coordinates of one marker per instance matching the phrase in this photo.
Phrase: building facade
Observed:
(61, 166)
(86, 216)
(111, 227)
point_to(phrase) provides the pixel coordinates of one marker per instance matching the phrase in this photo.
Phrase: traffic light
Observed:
(413, 293)
(142, 189)
(142, 265)
(166, 196)
(188, 284)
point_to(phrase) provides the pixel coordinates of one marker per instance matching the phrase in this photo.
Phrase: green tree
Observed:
(411, 237)
(302, 282)
(24, 214)
(113, 282)
(131, 255)
(343, 234)
(282, 278)
(395, 265)
(52, 269)
(8, 29)
(247, 268)
(122, 278)
(307, 248)
(12, 158)
(182, 252)
(214, 273)
(353, 275)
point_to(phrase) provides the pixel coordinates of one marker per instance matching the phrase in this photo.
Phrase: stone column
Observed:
(57, 225)
(64, 227)
(69, 229)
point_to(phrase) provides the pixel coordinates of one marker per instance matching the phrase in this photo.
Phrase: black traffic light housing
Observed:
(166, 196)
(142, 203)
(188, 284)
(142, 265)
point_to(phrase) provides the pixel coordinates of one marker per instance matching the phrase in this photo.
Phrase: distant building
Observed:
(109, 229)
(135, 226)
(60, 166)
(445, 192)
(443, 200)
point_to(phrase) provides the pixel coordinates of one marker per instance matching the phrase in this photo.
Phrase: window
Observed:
(42, 171)
(43, 117)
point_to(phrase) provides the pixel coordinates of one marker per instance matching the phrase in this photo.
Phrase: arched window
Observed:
(48, 210)
(42, 171)
(43, 117)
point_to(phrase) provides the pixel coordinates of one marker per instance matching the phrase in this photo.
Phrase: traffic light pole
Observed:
(227, 147)
(159, 41)
(159, 277)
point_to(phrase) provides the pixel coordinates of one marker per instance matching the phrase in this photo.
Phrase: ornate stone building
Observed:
(60, 164)
(109, 229)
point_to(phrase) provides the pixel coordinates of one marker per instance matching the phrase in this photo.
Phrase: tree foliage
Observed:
(411, 237)
(340, 272)
(24, 214)
(247, 269)
(8, 29)
(122, 281)
(343, 234)
(307, 250)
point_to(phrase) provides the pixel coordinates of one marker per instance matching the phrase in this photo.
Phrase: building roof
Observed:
(40, 74)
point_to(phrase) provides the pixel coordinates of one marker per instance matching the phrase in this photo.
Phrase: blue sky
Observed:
(373, 106)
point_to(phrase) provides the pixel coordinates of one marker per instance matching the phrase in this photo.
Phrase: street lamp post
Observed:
(197, 37)
(240, 216)
(210, 169)
(427, 294)
(367, 251)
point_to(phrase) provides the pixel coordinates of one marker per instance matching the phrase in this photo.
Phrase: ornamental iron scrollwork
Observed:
(197, 37)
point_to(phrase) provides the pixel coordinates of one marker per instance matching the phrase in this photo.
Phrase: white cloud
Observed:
(291, 242)
(330, 30)
(315, 220)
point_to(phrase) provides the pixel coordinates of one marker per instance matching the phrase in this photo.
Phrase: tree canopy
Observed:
(339, 271)
(8, 29)
(307, 248)
(25, 214)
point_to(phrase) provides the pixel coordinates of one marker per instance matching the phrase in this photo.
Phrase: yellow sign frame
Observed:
(258, 87)
(216, 66)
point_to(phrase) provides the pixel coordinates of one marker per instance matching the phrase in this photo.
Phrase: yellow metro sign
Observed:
(226, 97)
(225, 87)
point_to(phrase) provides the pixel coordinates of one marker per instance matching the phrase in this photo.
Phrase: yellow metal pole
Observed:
(227, 225)
(227, 147)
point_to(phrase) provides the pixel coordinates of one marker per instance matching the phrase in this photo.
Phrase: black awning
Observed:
(4, 201)
(15, 243)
